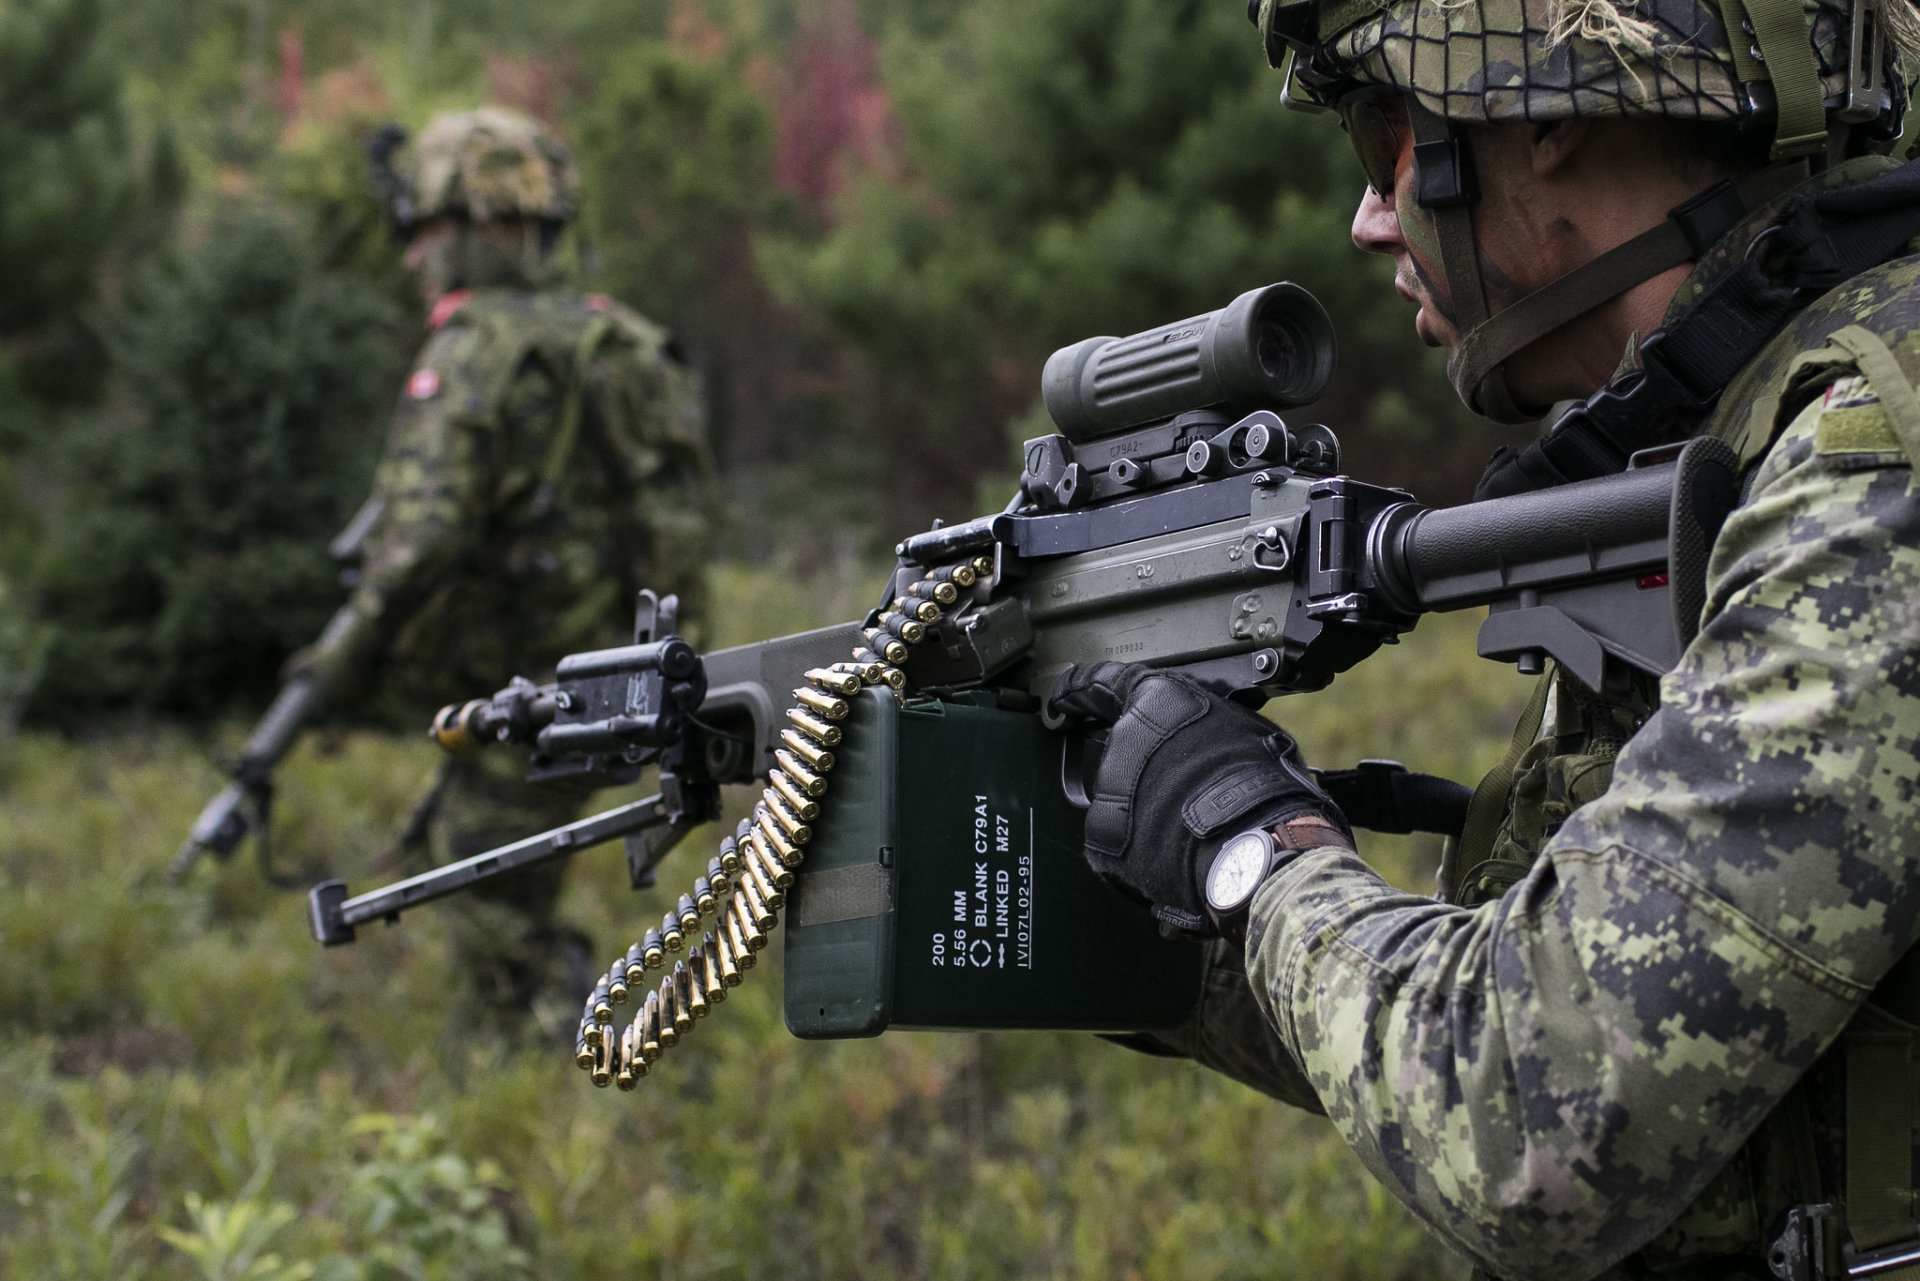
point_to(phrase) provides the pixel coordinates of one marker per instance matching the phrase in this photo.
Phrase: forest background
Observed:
(869, 221)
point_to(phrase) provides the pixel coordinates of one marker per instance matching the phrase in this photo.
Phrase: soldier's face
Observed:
(1389, 222)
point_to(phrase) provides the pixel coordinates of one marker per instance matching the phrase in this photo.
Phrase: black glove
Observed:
(1184, 770)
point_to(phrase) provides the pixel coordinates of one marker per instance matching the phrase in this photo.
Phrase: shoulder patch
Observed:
(444, 310)
(1860, 428)
(423, 384)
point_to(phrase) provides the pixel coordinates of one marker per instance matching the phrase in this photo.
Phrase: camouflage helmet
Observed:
(483, 166)
(1493, 61)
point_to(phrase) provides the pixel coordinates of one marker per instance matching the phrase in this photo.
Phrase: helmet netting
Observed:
(1490, 61)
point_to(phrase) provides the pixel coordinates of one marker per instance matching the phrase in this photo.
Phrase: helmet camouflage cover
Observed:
(1492, 61)
(490, 164)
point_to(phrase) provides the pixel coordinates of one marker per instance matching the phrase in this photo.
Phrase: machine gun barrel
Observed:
(333, 916)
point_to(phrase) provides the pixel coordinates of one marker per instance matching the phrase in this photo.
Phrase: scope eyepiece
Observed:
(1270, 348)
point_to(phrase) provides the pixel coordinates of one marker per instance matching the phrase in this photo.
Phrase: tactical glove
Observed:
(1184, 770)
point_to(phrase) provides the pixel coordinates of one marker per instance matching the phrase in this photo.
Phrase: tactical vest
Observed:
(593, 434)
(1848, 1136)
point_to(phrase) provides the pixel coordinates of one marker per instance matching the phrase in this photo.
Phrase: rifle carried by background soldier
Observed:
(920, 823)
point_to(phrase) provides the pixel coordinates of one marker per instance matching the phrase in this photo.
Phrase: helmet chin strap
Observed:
(1444, 186)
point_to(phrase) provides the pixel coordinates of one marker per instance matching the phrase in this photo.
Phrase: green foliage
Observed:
(228, 1241)
(426, 1212)
(1080, 168)
(64, 144)
(190, 558)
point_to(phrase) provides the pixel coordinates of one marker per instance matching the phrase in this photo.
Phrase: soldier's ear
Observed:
(1552, 144)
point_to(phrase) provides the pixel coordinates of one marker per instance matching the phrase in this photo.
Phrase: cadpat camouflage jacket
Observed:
(1579, 1069)
(547, 459)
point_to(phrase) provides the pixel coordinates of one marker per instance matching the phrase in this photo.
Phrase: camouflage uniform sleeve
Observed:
(433, 481)
(1549, 1078)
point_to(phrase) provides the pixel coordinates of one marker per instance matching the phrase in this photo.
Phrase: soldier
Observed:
(545, 461)
(1660, 1020)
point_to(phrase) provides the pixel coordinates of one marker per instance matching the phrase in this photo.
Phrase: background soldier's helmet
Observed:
(482, 166)
(1488, 61)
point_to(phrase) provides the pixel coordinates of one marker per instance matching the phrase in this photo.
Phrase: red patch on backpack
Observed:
(424, 384)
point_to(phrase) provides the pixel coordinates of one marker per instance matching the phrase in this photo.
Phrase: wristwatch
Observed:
(1245, 862)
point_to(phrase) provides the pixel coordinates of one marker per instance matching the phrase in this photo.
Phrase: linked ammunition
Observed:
(623, 1072)
(729, 856)
(696, 993)
(653, 950)
(602, 1073)
(797, 832)
(704, 900)
(776, 872)
(808, 750)
(716, 987)
(798, 773)
(740, 933)
(669, 1028)
(650, 1047)
(682, 999)
(819, 726)
(671, 934)
(617, 982)
(723, 954)
(756, 878)
(827, 705)
(602, 1003)
(757, 910)
(909, 630)
(636, 964)
(689, 914)
(583, 1054)
(797, 800)
(845, 684)
(785, 850)
(718, 879)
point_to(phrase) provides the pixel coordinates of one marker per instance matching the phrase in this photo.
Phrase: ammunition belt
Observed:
(738, 900)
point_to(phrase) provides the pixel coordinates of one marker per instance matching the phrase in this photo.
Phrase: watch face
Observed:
(1237, 870)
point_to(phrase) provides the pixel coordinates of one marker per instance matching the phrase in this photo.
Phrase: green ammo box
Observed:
(945, 888)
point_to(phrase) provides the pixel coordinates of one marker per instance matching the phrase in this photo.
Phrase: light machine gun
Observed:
(919, 824)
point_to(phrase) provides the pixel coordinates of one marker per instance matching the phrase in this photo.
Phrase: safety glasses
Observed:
(1377, 126)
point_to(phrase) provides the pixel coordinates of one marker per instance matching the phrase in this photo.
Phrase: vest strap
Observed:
(1488, 807)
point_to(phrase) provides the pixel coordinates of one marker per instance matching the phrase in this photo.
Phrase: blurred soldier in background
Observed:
(546, 461)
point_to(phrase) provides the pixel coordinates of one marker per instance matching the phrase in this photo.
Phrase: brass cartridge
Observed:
(797, 832)
(819, 726)
(798, 773)
(807, 750)
(845, 684)
(769, 893)
(796, 800)
(827, 705)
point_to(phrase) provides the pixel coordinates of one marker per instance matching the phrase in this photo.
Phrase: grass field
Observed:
(193, 1089)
